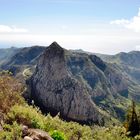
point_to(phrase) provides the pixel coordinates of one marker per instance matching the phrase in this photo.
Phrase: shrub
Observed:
(10, 92)
(57, 135)
(32, 117)
(26, 115)
(110, 133)
(11, 132)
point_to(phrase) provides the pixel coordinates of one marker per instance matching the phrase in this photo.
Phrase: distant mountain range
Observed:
(129, 63)
(20, 60)
(82, 86)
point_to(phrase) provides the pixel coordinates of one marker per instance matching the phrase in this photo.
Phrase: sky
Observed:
(99, 26)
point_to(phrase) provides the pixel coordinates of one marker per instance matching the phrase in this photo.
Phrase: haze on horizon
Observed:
(100, 26)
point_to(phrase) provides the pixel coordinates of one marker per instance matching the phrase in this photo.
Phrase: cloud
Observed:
(11, 29)
(120, 22)
(133, 23)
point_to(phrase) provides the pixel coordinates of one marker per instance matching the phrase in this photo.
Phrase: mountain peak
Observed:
(55, 45)
(54, 50)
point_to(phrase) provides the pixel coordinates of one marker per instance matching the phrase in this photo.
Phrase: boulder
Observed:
(27, 138)
(24, 130)
(37, 134)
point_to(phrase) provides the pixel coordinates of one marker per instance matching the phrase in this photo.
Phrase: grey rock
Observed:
(24, 130)
(37, 134)
(27, 138)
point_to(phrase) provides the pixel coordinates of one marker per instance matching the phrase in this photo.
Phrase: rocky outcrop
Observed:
(55, 88)
(34, 134)
(75, 84)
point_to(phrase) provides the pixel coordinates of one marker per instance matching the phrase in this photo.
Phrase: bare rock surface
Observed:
(34, 134)
(27, 138)
(37, 134)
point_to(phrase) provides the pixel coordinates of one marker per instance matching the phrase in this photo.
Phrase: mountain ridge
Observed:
(107, 87)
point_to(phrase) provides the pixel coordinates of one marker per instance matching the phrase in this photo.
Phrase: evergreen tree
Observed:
(132, 124)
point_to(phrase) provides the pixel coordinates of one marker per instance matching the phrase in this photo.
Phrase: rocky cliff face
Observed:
(80, 86)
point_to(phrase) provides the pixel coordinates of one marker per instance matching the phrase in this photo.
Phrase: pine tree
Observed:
(132, 124)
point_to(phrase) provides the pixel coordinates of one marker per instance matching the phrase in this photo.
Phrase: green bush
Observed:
(11, 132)
(32, 117)
(26, 115)
(110, 133)
(57, 135)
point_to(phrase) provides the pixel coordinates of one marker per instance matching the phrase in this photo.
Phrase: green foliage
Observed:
(57, 135)
(132, 123)
(110, 133)
(32, 117)
(11, 132)
(26, 115)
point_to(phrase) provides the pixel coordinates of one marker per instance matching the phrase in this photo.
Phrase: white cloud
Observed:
(133, 23)
(11, 29)
(120, 22)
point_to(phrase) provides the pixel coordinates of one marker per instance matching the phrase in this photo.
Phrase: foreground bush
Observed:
(32, 117)
(56, 135)
(112, 133)
(11, 132)
(59, 129)
(26, 115)
(10, 92)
